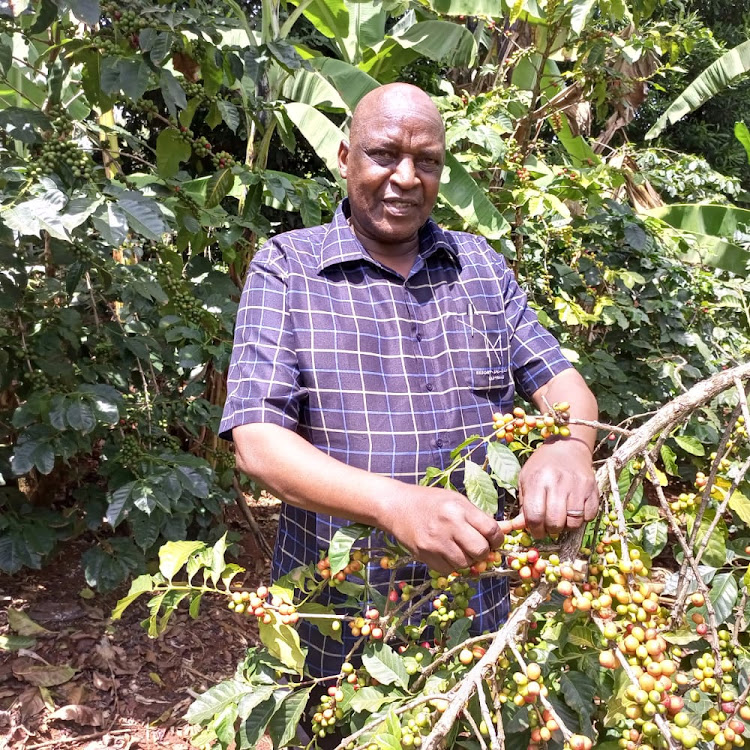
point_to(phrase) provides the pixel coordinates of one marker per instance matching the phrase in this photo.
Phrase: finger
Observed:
(507, 525)
(556, 514)
(591, 506)
(472, 544)
(533, 511)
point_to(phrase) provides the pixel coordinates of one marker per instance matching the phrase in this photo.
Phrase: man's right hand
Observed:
(441, 528)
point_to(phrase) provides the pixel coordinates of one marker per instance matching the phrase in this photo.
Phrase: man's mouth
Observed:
(397, 205)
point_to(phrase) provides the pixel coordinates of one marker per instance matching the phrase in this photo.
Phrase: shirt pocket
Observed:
(479, 346)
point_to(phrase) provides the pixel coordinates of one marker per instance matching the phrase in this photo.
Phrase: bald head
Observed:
(393, 101)
(392, 166)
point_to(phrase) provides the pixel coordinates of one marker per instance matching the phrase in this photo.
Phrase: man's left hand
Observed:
(557, 488)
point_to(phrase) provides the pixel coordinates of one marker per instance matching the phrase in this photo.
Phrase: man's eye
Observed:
(381, 156)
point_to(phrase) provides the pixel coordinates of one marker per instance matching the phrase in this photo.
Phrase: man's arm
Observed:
(557, 489)
(438, 526)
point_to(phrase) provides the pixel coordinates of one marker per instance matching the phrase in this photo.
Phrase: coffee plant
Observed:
(604, 647)
(148, 148)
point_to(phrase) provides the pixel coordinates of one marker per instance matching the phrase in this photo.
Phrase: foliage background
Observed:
(149, 148)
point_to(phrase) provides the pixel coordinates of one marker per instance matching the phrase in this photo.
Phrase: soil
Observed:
(115, 687)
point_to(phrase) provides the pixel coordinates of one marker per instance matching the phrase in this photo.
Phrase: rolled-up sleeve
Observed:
(263, 382)
(535, 354)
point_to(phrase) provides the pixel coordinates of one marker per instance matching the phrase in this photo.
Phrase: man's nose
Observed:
(405, 176)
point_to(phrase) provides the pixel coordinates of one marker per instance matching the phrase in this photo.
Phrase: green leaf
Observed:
(716, 551)
(581, 636)
(504, 464)
(218, 187)
(681, 637)
(119, 504)
(462, 193)
(141, 585)
(171, 149)
(286, 719)
(715, 78)
(690, 444)
(579, 692)
(741, 506)
(385, 665)
(371, 699)
(579, 13)
(252, 729)
(339, 551)
(217, 559)
(723, 595)
(742, 134)
(322, 135)
(143, 215)
(87, 11)
(216, 699)
(654, 537)
(229, 113)
(712, 227)
(670, 460)
(323, 624)
(80, 416)
(480, 488)
(172, 91)
(173, 555)
(282, 641)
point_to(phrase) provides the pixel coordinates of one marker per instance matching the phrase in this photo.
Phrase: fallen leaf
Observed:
(155, 678)
(45, 675)
(86, 593)
(83, 715)
(23, 624)
(29, 703)
(15, 642)
(103, 683)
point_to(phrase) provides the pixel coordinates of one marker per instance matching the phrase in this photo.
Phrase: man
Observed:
(367, 349)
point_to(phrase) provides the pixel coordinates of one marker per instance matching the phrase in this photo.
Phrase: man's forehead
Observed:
(396, 123)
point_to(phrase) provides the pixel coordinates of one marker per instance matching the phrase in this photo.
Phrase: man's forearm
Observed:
(568, 386)
(292, 469)
(439, 526)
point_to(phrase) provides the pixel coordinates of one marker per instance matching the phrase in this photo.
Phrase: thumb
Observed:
(512, 524)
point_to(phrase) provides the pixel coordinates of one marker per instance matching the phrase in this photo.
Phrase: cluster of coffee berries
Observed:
(223, 159)
(82, 253)
(58, 154)
(148, 107)
(446, 609)
(523, 174)
(685, 501)
(518, 423)
(525, 687)
(417, 724)
(369, 626)
(130, 450)
(202, 147)
(37, 379)
(266, 609)
(188, 307)
(579, 742)
(327, 713)
(556, 121)
(542, 727)
(358, 560)
(563, 233)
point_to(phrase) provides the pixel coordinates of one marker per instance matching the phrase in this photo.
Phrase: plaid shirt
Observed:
(383, 373)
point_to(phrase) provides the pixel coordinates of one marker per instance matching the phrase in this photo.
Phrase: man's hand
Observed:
(557, 489)
(442, 528)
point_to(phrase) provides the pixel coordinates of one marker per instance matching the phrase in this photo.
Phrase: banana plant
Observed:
(716, 77)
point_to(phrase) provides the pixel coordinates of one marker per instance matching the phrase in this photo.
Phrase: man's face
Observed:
(392, 169)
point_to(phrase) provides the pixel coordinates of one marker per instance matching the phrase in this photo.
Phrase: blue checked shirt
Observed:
(383, 373)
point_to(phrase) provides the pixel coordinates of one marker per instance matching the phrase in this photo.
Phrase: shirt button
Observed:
(438, 443)
(419, 337)
(430, 387)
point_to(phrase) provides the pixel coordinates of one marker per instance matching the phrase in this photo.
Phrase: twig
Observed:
(494, 744)
(80, 738)
(469, 718)
(250, 518)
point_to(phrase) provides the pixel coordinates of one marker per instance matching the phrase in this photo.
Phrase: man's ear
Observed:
(343, 157)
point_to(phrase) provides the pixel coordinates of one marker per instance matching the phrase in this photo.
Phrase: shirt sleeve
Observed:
(263, 382)
(535, 354)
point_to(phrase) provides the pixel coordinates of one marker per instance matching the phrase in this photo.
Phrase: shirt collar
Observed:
(340, 244)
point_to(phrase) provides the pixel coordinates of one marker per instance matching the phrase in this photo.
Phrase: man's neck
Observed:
(398, 257)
